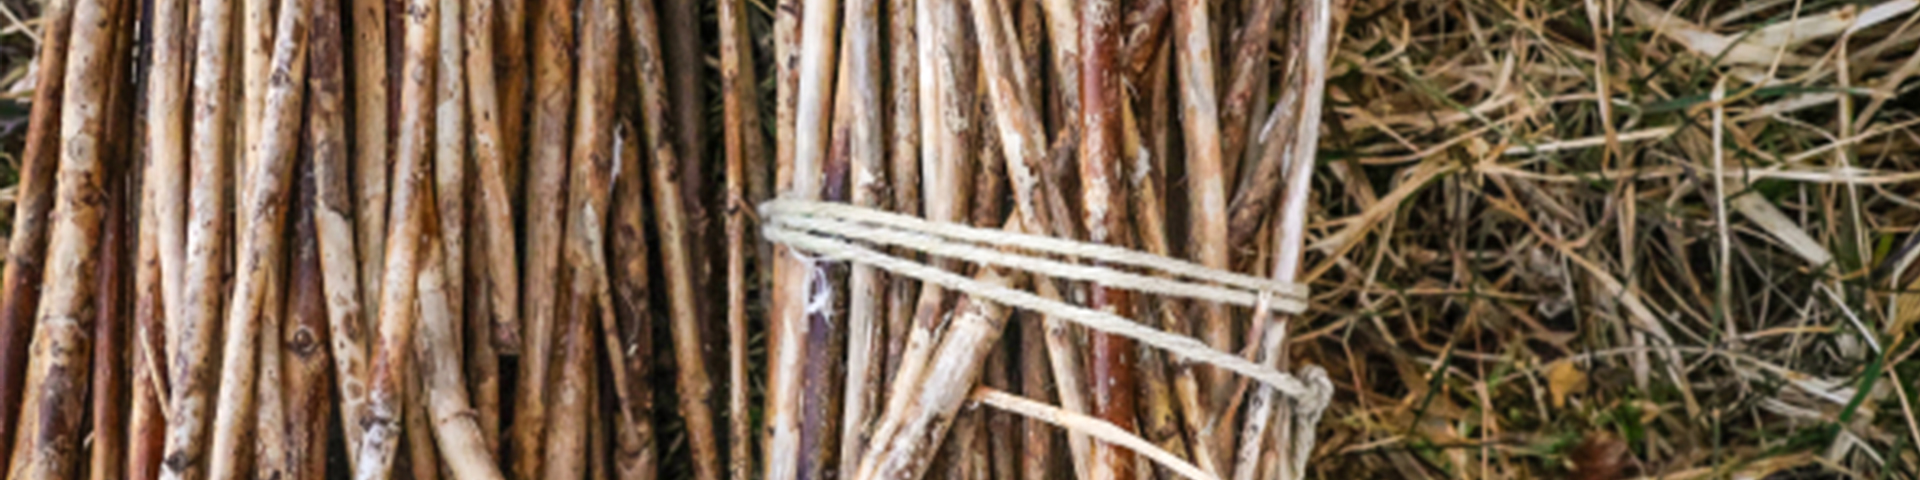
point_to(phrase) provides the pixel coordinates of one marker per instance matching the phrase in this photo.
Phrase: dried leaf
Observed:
(1563, 379)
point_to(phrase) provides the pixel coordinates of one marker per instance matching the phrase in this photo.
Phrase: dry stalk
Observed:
(1112, 363)
(903, 142)
(1245, 83)
(567, 414)
(257, 270)
(546, 180)
(743, 143)
(1038, 455)
(333, 214)
(637, 454)
(912, 430)
(482, 360)
(685, 61)
(146, 423)
(196, 317)
(305, 364)
(694, 386)
(866, 288)
(796, 301)
(47, 445)
(458, 435)
(450, 171)
(1311, 47)
(371, 91)
(1206, 180)
(410, 212)
(584, 254)
(946, 164)
(509, 64)
(34, 200)
(110, 349)
(165, 179)
(493, 200)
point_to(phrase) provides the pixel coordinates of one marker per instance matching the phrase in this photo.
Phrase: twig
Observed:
(493, 203)
(371, 92)
(307, 369)
(546, 180)
(866, 287)
(743, 143)
(48, 443)
(694, 386)
(454, 428)
(903, 159)
(34, 200)
(637, 455)
(333, 214)
(412, 197)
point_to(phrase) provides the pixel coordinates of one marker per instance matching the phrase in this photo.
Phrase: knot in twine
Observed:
(841, 232)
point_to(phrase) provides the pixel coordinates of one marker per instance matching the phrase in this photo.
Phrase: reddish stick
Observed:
(27, 247)
(637, 455)
(1100, 92)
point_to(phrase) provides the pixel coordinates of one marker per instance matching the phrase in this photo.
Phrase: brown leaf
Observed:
(1563, 379)
(1599, 456)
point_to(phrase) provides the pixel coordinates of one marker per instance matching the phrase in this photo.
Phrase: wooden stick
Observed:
(197, 315)
(450, 171)
(482, 360)
(584, 254)
(333, 214)
(743, 143)
(910, 433)
(458, 435)
(546, 181)
(256, 56)
(685, 61)
(1312, 43)
(1206, 177)
(34, 200)
(947, 165)
(1245, 78)
(109, 375)
(1082, 424)
(903, 160)
(306, 366)
(1112, 362)
(510, 55)
(165, 182)
(146, 428)
(637, 456)
(694, 386)
(381, 428)
(49, 433)
(821, 367)
(567, 414)
(866, 288)
(261, 244)
(371, 94)
(494, 200)
(1146, 28)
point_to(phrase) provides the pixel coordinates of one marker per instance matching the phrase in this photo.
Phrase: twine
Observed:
(841, 232)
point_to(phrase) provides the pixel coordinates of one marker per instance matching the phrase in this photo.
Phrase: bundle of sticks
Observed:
(438, 238)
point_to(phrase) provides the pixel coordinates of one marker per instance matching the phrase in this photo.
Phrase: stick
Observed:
(907, 435)
(197, 315)
(494, 200)
(371, 93)
(1101, 104)
(165, 179)
(694, 386)
(637, 456)
(306, 366)
(903, 159)
(587, 199)
(546, 181)
(261, 243)
(48, 442)
(1146, 28)
(147, 423)
(450, 169)
(1312, 42)
(742, 140)
(333, 214)
(110, 324)
(509, 59)
(256, 56)
(567, 436)
(1206, 178)
(946, 165)
(381, 428)
(1086, 425)
(825, 349)
(457, 434)
(27, 246)
(866, 288)
(1246, 77)
(482, 360)
(685, 61)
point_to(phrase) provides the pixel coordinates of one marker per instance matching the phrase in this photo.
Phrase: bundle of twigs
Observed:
(426, 238)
